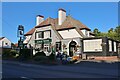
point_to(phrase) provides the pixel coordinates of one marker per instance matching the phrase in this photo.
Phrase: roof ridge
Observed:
(2, 38)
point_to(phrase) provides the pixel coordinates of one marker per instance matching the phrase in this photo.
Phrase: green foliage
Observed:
(13, 53)
(112, 33)
(52, 56)
(26, 54)
(6, 53)
(96, 32)
(9, 54)
(40, 58)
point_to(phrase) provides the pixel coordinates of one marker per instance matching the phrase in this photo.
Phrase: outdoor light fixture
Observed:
(103, 44)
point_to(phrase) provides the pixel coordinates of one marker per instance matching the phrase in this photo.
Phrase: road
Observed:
(82, 70)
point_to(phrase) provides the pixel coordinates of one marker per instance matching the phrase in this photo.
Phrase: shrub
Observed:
(25, 54)
(13, 53)
(40, 58)
(9, 54)
(52, 56)
(6, 53)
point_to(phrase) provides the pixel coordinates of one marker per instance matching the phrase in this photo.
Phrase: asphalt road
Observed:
(82, 70)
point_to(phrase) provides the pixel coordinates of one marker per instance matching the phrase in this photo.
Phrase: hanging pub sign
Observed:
(20, 34)
(38, 41)
(43, 41)
(47, 40)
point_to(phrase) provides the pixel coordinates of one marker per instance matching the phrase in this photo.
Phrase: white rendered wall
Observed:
(54, 37)
(67, 42)
(3, 43)
(32, 40)
(92, 45)
(27, 39)
(72, 33)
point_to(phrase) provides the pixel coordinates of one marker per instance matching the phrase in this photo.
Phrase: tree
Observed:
(117, 31)
(96, 32)
(111, 30)
(112, 33)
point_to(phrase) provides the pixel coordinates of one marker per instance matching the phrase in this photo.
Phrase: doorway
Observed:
(72, 48)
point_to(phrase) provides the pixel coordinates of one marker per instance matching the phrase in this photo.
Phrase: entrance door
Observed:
(72, 47)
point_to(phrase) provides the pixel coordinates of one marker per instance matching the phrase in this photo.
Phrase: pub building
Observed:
(63, 34)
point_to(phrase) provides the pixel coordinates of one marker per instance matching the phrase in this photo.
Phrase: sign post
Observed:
(20, 34)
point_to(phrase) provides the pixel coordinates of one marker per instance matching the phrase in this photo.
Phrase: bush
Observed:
(40, 58)
(13, 53)
(25, 54)
(40, 54)
(9, 54)
(6, 53)
(52, 56)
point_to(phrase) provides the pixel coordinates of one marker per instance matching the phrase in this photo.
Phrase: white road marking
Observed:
(25, 65)
(26, 78)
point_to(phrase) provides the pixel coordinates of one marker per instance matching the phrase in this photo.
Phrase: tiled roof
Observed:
(67, 24)
(30, 32)
(1, 38)
(48, 21)
(70, 23)
(16, 44)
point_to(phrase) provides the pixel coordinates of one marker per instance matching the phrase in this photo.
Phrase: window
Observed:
(86, 33)
(46, 47)
(40, 35)
(47, 34)
(58, 46)
(115, 46)
(110, 45)
(92, 45)
(6, 43)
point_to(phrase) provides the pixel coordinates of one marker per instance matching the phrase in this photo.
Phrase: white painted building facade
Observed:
(61, 34)
(5, 43)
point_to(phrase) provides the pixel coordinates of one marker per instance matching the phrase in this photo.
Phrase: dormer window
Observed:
(86, 32)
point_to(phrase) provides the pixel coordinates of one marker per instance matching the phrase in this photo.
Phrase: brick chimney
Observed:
(39, 19)
(61, 16)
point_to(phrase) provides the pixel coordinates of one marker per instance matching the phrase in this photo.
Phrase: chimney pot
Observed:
(39, 19)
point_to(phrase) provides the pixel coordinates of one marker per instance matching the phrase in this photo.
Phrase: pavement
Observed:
(84, 69)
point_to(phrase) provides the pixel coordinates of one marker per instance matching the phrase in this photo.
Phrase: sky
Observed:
(101, 15)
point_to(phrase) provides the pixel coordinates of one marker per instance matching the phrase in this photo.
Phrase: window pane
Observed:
(40, 35)
(47, 34)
